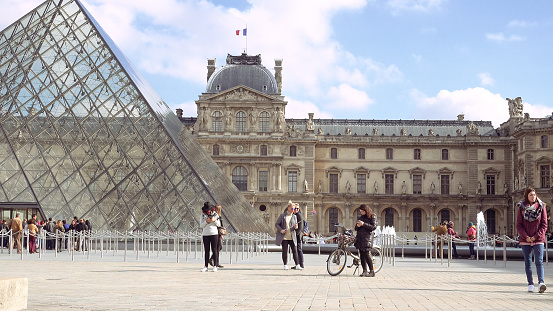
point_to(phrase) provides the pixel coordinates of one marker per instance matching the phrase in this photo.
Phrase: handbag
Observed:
(222, 230)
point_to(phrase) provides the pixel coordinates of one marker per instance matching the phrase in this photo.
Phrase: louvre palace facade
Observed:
(413, 173)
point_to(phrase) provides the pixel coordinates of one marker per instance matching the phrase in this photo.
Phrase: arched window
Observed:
(490, 221)
(417, 220)
(240, 178)
(241, 122)
(389, 217)
(444, 215)
(332, 219)
(264, 118)
(357, 213)
(217, 119)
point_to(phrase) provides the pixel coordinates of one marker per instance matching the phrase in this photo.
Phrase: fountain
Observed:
(481, 229)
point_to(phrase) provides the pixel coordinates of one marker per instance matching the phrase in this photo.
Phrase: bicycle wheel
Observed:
(377, 259)
(336, 262)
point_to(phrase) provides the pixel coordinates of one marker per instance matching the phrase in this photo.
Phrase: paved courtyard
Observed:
(260, 283)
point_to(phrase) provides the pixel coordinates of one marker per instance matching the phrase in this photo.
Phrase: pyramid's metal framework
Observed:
(82, 133)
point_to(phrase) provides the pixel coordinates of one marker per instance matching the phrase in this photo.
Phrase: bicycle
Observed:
(337, 260)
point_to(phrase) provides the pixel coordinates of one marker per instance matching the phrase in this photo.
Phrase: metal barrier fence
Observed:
(136, 244)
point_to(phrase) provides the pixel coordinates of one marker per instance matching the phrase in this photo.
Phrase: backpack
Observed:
(305, 227)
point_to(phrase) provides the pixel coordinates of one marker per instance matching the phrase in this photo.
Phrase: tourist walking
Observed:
(531, 227)
(365, 225)
(471, 236)
(17, 229)
(286, 226)
(209, 223)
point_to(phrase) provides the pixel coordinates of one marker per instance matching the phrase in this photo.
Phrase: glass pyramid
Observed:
(83, 134)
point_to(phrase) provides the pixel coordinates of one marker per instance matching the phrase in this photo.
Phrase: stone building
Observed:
(413, 173)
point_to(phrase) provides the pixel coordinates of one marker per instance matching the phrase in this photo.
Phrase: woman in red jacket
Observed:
(531, 226)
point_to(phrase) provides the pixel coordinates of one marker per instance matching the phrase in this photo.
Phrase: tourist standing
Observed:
(471, 236)
(299, 234)
(33, 232)
(60, 230)
(365, 225)
(531, 227)
(209, 223)
(17, 229)
(453, 235)
(219, 211)
(286, 225)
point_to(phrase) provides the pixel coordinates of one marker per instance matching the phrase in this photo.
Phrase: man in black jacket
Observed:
(299, 234)
(50, 227)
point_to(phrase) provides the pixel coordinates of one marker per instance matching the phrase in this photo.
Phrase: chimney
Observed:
(210, 67)
(278, 74)
(179, 113)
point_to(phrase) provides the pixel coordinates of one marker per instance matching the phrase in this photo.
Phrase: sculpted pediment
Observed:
(241, 93)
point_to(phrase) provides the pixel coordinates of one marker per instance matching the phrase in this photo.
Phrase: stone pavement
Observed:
(260, 283)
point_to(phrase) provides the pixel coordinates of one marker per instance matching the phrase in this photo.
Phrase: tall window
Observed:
(545, 176)
(333, 153)
(241, 122)
(292, 181)
(490, 184)
(240, 178)
(292, 151)
(332, 219)
(445, 154)
(263, 150)
(389, 183)
(444, 184)
(389, 217)
(389, 154)
(264, 118)
(490, 154)
(333, 183)
(217, 121)
(444, 215)
(263, 180)
(544, 141)
(361, 154)
(490, 221)
(416, 154)
(417, 184)
(417, 220)
(361, 183)
(216, 149)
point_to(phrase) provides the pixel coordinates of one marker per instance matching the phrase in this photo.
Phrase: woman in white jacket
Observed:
(209, 223)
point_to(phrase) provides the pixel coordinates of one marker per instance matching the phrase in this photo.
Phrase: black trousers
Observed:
(211, 242)
(299, 247)
(366, 259)
(285, 245)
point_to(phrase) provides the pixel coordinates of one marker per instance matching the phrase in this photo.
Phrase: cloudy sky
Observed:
(369, 59)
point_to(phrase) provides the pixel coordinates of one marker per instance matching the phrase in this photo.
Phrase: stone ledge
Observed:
(13, 293)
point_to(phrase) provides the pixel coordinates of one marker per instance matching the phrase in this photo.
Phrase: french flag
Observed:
(244, 32)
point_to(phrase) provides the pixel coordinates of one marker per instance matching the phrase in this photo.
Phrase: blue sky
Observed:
(369, 59)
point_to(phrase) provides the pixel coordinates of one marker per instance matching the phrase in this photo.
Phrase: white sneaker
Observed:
(204, 269)
(286, 267)
(298, 267)
(530, 288)
(214, 269)
(542, 287)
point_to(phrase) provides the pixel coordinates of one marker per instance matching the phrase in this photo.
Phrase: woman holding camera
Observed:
(209, 223)
(365, 225)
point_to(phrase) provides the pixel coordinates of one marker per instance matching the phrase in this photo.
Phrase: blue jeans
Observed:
(538, 253)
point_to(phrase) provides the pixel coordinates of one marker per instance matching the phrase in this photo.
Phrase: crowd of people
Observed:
(32, 228)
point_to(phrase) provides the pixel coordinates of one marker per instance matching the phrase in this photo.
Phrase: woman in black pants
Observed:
(286, 226)
(209, 223)
(365, 226)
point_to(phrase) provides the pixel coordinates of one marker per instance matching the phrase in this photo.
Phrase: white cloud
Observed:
(486, 78)
(298, 109)
(414, 5)
(500, 37)
(476, 103)
(521, 24)
(417, 58)
(537, 111)
(347, 96)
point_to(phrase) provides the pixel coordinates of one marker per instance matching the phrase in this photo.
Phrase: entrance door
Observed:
(25, 210)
